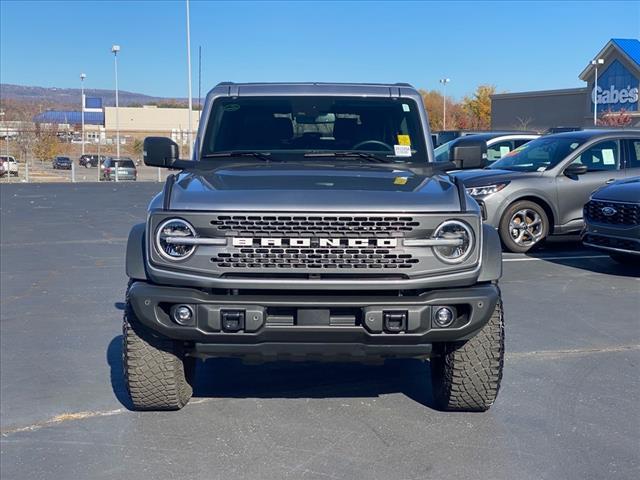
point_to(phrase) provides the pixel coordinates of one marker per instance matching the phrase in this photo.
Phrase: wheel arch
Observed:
(135, 258)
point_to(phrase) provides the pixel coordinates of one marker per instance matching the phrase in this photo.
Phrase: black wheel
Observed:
(156, 372)
(523, 225)
(466, 376)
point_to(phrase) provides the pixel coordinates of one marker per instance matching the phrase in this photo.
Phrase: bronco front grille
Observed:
(315, 258)
(311, 225)
(619, 213)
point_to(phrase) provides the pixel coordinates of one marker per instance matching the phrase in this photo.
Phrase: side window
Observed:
(499, 150)
(602, 156)
(634, 153)
(519, 143)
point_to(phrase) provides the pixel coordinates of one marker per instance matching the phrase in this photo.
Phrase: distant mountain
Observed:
(71, 96)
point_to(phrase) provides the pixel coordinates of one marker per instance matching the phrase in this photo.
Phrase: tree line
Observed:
(473, 112)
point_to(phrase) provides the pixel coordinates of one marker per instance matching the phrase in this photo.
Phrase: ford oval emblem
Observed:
(608, 211)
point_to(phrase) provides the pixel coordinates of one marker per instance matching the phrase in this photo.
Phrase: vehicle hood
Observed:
(489, 176)
(299, 187)
(627, 190)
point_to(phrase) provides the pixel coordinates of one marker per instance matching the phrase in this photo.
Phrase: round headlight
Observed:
(168, 238)
(458, 251)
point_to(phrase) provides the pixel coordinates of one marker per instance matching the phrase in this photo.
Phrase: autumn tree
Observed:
(478, 107)
(46, 145)
(433, 104)
(135, 148)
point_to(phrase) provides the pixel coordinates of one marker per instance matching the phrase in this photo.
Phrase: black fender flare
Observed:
(491, 255)
(135, 259)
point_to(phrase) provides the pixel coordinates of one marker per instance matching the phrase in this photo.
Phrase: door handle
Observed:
(611, 180)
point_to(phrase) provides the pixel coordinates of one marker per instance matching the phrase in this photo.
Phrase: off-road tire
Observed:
(504, 231)
(156, 372)
(466, 376)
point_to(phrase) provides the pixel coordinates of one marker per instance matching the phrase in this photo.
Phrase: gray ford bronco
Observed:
(312, 223)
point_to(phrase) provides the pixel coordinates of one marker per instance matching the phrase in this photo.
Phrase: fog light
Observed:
(443, 317)
(182, 315)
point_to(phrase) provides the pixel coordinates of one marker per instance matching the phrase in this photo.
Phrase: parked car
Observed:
(61, 163)
(8, 164)
(493, 145)
(612, 219)
(126, 169)
(89, 161)
(540, 188)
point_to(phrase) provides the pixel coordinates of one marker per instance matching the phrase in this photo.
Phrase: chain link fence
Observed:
(35, 149)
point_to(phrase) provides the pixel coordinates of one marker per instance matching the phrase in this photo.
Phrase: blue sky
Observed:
(514, 45)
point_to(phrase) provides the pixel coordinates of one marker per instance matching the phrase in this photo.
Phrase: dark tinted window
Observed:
(499, 150)
(634, 153)
(293, 125)
(126, 164)
(601, 156)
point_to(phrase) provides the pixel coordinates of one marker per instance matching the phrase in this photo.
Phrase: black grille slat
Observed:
(304, 225)
(625, 213)
(612, 242)
(271, 257)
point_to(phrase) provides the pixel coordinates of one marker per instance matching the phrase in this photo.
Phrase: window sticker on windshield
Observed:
(402, 150)
(405, 107)
(404, 140)
(574, 145)
(400, 180)
(231, 107)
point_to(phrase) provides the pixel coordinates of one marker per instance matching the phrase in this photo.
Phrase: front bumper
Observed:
(612, 237)
(313, 325)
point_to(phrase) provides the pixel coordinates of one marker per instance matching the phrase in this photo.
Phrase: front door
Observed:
(603, 162)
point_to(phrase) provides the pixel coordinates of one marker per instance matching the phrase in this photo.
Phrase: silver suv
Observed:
(312, 223)
(540, 189)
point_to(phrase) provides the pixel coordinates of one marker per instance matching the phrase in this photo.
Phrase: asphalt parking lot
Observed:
(568, 408)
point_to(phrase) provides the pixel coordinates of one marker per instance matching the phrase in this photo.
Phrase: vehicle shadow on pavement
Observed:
(114, 359)
(561, 253)
(230, 378)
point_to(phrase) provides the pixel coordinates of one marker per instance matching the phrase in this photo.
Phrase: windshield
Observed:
(538, 155)
(289, 127)
(442, 152)
(124, 163)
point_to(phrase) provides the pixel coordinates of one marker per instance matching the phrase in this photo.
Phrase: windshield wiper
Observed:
(240, 153)
(348, 154)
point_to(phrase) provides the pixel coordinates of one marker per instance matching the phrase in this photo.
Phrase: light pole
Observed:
(189, 78)
(444, 82)
(115, 49)
(594, 93)
(82, 77)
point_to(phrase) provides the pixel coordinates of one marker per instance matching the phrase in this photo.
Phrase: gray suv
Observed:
(312, 223)
(540, 189)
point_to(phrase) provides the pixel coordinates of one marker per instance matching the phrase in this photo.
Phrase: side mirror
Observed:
(160, 152)
(471, 154)
(576, 169)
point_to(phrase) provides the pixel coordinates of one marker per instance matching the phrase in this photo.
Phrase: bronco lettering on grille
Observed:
(321, 242)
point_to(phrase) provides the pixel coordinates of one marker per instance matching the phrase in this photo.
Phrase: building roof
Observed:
(70, 117)
(628, 48)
